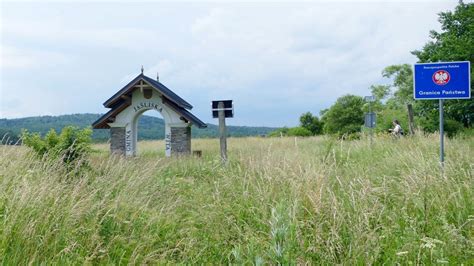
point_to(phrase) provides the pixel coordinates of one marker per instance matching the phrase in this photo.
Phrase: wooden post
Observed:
(222, 132)
(411, 123)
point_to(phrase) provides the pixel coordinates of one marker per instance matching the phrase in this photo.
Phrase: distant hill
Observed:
(148, 127)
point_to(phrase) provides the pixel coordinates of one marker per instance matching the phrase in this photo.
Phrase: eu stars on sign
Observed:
(449, 80)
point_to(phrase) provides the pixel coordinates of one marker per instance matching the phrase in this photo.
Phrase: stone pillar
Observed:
(167, 140)
(117, 140)
(180, 140)
(130, 140)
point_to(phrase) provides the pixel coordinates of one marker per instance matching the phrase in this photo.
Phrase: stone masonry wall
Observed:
(117, 140)
(180, 140)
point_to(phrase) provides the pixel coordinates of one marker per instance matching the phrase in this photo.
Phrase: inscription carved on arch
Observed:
(147, 105)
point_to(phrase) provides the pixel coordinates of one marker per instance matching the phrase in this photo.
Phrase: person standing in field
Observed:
(397, 130)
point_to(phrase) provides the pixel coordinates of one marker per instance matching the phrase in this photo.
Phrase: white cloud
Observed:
(57, 31)
(280, 58)
(24, 58)
(304, 53)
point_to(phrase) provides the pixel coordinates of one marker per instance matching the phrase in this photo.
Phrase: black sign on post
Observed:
(222, 109)
(228, 108)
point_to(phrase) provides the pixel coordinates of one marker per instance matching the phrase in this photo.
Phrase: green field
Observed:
(279, 201)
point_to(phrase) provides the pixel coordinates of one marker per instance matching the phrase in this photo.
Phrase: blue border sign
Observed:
(448, 80)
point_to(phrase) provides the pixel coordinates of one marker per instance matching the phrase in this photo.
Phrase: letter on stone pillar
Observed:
(167, 140)
(180, 140)
(117, 140)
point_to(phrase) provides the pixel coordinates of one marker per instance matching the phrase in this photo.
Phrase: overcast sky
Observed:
(275, 60)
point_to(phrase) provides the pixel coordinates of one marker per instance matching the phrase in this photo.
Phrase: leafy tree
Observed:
(386, 116)
(380, 91)
(402, 82)
(345, 116)
(395, 106)
(322, 112)
(70, 145)
(455, 42)
(148, 127)
(311, 123)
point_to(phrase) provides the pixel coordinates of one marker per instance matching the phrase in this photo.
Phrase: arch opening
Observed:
(148, 125)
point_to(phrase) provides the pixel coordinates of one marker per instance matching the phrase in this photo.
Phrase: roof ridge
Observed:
(177, 99)
(160, 87)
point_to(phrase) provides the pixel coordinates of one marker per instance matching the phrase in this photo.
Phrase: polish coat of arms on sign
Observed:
(441, 77)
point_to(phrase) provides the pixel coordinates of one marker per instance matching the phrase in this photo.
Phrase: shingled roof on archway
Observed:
(122, 99)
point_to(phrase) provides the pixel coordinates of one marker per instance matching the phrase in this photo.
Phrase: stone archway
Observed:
(138, 96)
(134, 126)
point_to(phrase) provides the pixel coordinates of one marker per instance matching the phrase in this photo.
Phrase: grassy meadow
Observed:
(278, 201)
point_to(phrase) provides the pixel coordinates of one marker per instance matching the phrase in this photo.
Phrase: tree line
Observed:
(455, 42)
(149, 128)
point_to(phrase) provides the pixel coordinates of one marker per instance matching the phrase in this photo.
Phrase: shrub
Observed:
(466, 133)
(70, 145)
(279, 132)
(452, 127)
(293, 131)
(351, 136)
(299, 132)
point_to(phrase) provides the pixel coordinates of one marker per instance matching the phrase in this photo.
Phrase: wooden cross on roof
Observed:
(141, 85)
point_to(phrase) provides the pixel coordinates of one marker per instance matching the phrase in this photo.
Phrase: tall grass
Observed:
(279, 201)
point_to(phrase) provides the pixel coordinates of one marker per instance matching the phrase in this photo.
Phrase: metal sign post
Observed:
(441, 132)
(369, 122)
(442, 81)
(221, 110)
(370, 117)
